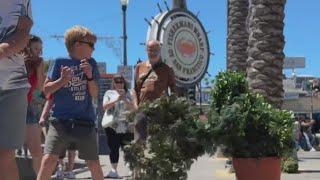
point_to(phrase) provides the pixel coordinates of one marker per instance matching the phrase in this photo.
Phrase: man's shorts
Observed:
(13, 110)
(59, 138)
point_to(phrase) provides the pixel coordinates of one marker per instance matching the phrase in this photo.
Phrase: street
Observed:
(208, 168)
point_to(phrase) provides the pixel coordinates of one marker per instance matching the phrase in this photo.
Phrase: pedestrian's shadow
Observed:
(312, 157)
(309, 171)
(122, 177)
(78, 168)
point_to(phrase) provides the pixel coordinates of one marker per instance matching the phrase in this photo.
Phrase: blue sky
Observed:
(104, 18)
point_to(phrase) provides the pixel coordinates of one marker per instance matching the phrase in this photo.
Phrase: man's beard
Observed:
(154, 58)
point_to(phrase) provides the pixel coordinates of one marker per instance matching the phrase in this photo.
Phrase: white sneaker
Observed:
(313, 150)
(69, 175)
(113, 174)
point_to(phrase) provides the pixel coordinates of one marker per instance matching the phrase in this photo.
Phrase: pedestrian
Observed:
(117, 102)
(153, 78)
(306, 126)
(45, 114)
(15, 25)
(66, 172)
(35, 69)
(72, 81)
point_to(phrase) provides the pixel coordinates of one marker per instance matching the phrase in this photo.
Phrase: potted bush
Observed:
(176, 139)
(252, 131)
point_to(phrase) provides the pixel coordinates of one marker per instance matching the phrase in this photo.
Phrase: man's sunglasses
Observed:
(89, 43)
(153, 51)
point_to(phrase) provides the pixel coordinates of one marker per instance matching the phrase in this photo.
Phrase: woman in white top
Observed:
(117, 102)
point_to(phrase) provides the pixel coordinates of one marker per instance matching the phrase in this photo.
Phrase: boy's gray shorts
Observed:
(58, 140)
(13, 110)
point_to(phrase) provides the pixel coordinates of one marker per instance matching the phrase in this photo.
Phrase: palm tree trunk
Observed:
(237, 40)
(265, 49)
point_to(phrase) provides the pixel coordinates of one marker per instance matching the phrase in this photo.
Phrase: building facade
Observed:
(300, 97)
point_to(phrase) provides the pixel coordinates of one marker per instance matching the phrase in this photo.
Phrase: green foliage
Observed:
(176, 138)
(289, 165)
(245, 123)
(226, 87)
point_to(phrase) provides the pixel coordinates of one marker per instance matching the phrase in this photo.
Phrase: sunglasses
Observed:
(153, 51)
(90, 44)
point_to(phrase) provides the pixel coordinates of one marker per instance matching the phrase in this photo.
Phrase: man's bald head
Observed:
(153, 44)
(153, 50)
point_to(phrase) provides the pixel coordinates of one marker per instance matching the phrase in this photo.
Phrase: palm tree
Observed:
(265, 49)
(237, 40)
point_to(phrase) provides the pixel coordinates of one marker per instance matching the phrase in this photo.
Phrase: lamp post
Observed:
(124, 4)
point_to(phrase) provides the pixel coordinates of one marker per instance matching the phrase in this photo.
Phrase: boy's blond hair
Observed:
(78, 33)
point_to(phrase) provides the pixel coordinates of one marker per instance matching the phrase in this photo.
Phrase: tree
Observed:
(237, 40)
(265, 49)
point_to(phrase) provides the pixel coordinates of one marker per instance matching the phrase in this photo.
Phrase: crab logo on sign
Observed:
(185, 46)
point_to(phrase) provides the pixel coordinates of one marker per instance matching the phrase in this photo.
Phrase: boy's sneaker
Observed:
(69, 175)
(59, 174)
(313, 150)
(113, 174)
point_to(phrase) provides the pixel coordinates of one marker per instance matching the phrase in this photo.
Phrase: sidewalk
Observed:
(207, 168)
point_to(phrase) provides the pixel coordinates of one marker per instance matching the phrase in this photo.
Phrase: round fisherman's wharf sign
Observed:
(185, 45)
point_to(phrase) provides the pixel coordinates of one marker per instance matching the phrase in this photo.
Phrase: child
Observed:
(73, 83)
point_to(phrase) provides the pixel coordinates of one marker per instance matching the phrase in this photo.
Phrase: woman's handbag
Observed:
(107, 120)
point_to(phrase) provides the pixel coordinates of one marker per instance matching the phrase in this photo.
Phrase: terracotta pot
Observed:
(257, 169)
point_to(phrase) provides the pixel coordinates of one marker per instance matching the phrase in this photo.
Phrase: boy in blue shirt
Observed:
(73, 83)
